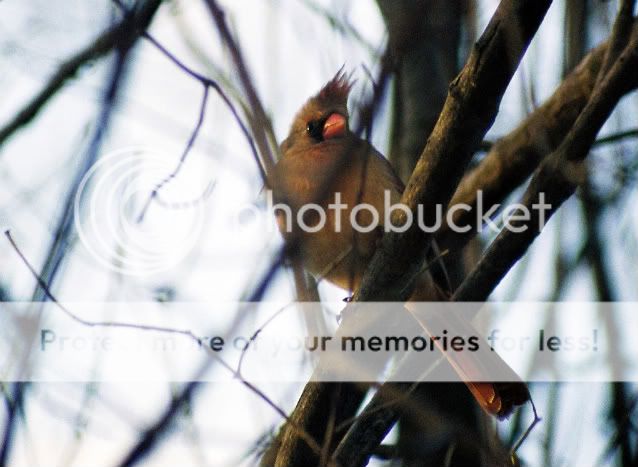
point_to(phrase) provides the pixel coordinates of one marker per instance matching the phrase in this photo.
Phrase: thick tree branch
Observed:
(469, 111)
(512, 159)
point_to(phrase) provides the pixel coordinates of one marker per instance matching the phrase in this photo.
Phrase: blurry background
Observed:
(291, 47)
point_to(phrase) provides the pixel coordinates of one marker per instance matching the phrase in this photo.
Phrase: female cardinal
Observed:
(324, 165)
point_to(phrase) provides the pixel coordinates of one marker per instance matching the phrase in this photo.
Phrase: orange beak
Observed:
(335, 126)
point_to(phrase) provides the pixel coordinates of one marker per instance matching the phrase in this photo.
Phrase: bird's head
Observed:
(324, 117)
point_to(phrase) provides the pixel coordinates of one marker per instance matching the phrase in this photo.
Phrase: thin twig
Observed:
(182, 159)
(254, 336)
(218, 89)
(47, 291)
(615, 137)
(207, 83)
(185, 394)
(618, 38)
(259, 122)
(522, 439)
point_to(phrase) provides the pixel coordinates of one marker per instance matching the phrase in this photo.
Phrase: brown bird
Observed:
(321, 160)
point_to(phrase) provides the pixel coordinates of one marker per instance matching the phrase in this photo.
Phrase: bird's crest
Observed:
(337, 88)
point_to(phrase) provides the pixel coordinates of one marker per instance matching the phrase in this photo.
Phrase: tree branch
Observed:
(259, 122)
(555, 178)
(512, 159)
(102, 45)
(469, 111)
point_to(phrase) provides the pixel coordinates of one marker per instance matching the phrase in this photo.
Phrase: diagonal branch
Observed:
(259, 122)
(513, 158)
(469, 110)
(553, 178)
(102, 45)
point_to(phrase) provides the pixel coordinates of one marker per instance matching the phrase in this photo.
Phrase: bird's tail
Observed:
(498, 398)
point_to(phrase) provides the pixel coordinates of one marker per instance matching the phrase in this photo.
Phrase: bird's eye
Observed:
(315, 129)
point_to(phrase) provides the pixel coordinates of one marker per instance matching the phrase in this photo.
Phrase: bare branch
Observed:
(218, 89)
(152, 435)
(512, 159)
(207, 83)
(619, 36)
(553, 178)
(615, 137)
(182, 159)
(469, 111)
(102, 45)
(259, 122)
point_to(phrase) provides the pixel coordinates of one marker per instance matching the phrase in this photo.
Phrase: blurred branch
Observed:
(182, 159)
(122, 40)
(577, 14)
(625, 425)
(259, 122)
(551, 422)
(102, 45)
(13, 403)
(64, 227)
(153, 434)
(615, 137)
(556, 178)
(341, 24)
(611, 138)
(620, 410)
(424, 37)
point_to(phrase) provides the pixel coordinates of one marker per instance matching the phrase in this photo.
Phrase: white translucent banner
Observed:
(571, 342)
